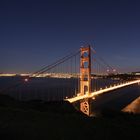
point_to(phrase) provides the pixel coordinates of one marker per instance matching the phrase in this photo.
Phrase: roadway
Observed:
(102, 91)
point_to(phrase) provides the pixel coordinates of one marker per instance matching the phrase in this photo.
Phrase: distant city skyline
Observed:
(35, 33)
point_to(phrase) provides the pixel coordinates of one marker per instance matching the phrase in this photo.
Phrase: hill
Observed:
(60, 121)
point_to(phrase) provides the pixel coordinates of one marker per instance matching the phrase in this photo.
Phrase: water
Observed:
(48, 89)
(54, 89)
(117, 99)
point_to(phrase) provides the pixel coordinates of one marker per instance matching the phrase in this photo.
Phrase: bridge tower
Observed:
(85, 78)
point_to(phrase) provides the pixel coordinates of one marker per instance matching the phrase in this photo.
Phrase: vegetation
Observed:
(39, 120)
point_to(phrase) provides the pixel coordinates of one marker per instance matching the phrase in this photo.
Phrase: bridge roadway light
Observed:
(94, 94)
(86, 92)
(78, 94)
(26, 80)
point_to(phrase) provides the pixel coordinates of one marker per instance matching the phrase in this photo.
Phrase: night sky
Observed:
(36, 33)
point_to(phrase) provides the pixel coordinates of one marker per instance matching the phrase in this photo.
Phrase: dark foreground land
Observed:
(36, 120)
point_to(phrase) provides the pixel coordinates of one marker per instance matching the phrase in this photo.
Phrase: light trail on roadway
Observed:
(93, 94)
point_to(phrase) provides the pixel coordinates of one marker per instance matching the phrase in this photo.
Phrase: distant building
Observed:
(136, 73)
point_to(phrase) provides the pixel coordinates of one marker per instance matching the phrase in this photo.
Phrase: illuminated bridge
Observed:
(101, 91)
(79, 76)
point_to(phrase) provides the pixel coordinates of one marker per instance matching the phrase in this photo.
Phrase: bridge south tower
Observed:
(85, 78)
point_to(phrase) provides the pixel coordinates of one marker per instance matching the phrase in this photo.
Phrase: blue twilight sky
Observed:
(34, 33)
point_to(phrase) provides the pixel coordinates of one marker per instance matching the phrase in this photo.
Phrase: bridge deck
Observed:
(74, 99)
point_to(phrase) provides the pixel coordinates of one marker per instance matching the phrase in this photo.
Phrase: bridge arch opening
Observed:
(86, 77)
(85, 64)
(85, 90)
(85, 54)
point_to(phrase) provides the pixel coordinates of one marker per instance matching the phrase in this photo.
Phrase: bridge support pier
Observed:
(85, 106)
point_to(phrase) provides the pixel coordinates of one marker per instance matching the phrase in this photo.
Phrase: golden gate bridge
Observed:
(80, 76)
